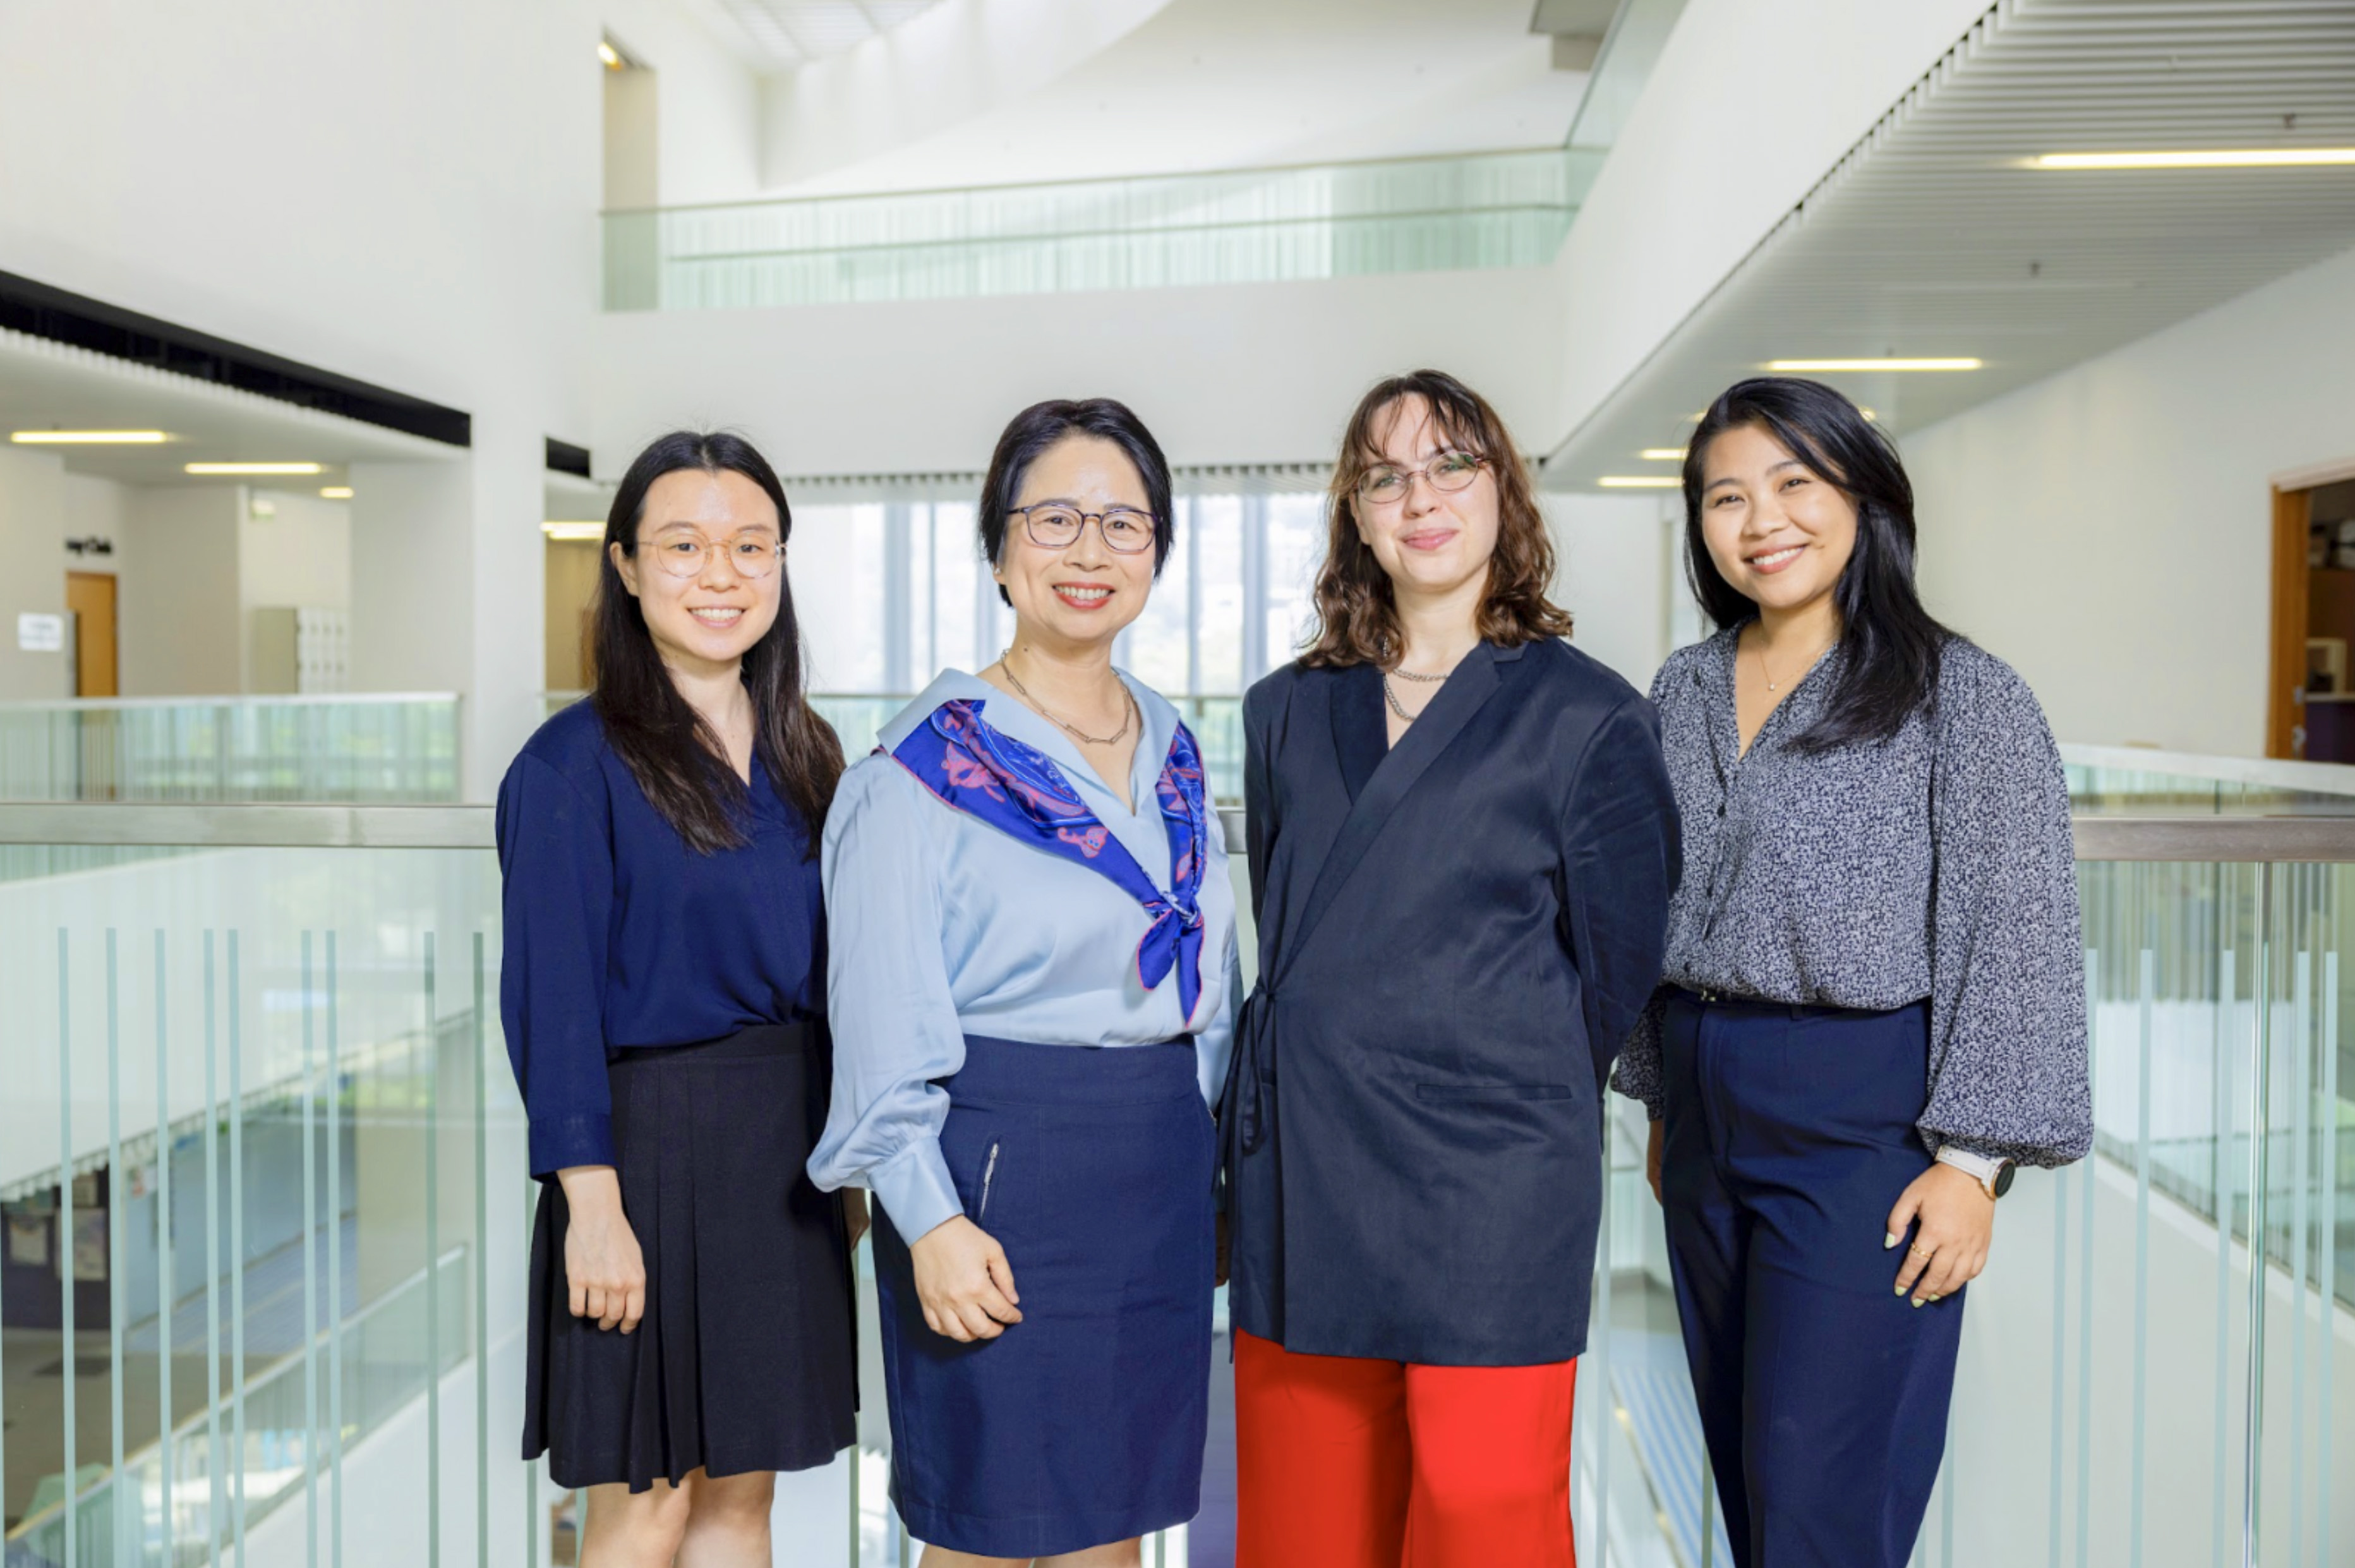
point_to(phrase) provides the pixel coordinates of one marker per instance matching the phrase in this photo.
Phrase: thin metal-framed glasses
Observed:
(1053, 526)
(1448, 473)
(753, 556)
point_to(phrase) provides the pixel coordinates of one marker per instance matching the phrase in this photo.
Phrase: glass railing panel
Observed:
(359, 748)
(2129, 781)
(272, 1079)
(2132, 1389)
(1492, 209)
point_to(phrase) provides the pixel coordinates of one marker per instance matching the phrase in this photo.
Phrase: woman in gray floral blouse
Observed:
(1874, 997)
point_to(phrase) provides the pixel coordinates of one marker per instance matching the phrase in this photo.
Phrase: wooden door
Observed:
(90, 596)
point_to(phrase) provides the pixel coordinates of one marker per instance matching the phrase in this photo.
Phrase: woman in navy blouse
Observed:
(663, 993)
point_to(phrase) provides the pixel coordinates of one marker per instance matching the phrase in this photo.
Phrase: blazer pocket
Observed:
(1447, 1091)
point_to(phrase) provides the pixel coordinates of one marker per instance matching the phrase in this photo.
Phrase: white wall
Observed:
(446, 159)
(947, 66)
(1613, 570)
(32, 570)
(1241, 373)
(1748, 107)
(181, 599)
(2108, 530)
(706, 102)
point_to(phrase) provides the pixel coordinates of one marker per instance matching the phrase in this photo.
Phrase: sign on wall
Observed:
(39, 634)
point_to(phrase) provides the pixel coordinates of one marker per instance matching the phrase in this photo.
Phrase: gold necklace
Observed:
(1117, 736)
(1759, 648)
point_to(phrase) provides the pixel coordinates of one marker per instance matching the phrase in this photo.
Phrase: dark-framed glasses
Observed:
(1054, 526)
(1448, 473)
(684, 555)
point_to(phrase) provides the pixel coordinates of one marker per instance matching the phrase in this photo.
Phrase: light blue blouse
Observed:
(940, 925)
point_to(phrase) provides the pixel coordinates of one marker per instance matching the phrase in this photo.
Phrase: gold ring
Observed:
(1917, 1251)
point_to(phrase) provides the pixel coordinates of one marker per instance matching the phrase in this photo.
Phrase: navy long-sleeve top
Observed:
(619, 936)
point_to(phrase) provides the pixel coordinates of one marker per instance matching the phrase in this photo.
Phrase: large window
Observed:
(892, 589)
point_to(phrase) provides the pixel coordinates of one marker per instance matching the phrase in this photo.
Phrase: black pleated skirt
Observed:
(746, 1359)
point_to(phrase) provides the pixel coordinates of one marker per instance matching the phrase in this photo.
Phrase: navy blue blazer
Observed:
(1456, 935)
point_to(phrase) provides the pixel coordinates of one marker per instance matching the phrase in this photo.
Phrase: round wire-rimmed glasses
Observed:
(1054, 526)
(1448, 473)
(753, 556)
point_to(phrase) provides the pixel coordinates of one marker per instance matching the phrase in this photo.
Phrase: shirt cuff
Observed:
(1981, 1169)
(560, 1143)
(915, 1190)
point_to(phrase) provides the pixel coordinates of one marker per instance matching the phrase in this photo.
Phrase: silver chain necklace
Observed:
(1127, 717)
(1392, 697)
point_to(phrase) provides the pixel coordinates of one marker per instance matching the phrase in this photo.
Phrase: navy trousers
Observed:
(1823, 1392)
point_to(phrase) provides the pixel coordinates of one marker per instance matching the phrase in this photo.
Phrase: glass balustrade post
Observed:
(2088, 1182)
(2260, 1082)
(67, 1259)
(216, 1491)
(117, 1493)
(480, 1256)
(2301, 1104)
(335, 1268)
(2327, 1293)
(237, 1244)
(432, 1108)
(305, 1084)
(166, 1273)
(2146, 985)
(2220, 1184)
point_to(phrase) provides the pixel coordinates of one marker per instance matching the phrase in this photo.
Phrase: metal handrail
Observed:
(2278, 840)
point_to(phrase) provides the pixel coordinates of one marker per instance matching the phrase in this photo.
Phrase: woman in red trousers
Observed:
(1463, 844)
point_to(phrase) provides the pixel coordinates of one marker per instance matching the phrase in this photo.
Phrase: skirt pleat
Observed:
(746, 1357)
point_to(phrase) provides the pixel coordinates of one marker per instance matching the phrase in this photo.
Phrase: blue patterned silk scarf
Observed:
(1017, 789)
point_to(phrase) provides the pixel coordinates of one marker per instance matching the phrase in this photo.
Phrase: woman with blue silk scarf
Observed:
(1031, 969)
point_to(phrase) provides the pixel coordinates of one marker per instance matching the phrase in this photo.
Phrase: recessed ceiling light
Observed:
(88, 437)
(2220, 158)
(254, 468)
(335, 492)
(1662, 454)
(1880, 363)
(609, 54)
(572, 531)
(1639, 482)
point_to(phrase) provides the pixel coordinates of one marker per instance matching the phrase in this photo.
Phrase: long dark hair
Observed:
(1041, 426)
(1890, 644)
(1357, 614)
(675, 756)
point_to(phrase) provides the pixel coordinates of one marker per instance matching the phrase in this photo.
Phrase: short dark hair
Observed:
(1891, 646)
(677, 760)
(1041, 426)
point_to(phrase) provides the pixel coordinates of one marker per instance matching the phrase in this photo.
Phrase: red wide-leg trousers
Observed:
(1346, 1462)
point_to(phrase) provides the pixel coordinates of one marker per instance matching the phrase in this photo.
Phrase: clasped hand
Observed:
(605, 1273)
(963, 1282)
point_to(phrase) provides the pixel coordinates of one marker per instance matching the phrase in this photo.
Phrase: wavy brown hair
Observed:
(1357, 618)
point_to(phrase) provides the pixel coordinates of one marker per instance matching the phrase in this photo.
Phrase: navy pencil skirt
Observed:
(1823, 1392)
(1083, 1423)
(746, 1359)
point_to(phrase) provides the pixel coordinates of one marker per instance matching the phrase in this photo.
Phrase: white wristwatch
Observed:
(1994, 1176)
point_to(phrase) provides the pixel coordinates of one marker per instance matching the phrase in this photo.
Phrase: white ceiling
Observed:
(1933, 237)
(48, 386)
(778, 35)
(1215, 84)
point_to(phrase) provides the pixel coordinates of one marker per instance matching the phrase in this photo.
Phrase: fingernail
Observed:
(1936, 1296)
(1917, 1304)
(1889, 1241)
(1901, 1290)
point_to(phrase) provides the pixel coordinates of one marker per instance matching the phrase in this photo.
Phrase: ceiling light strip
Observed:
(218, 468)
(88, 437)
(2215, 158)
(1830, 366)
